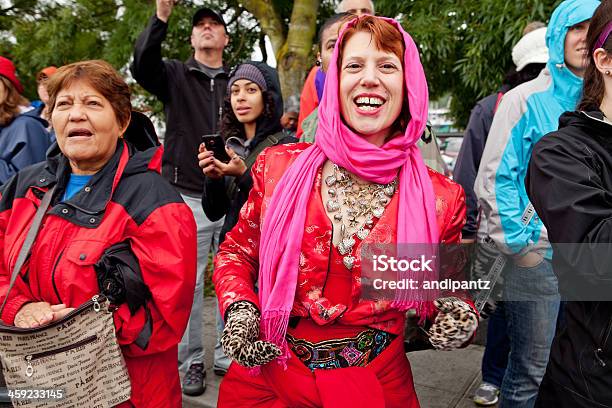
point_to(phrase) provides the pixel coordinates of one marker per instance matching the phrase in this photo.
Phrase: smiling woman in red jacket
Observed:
(107, 191)
(308, 337)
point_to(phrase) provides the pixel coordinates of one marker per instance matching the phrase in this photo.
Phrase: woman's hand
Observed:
(208, 163)
(454, 325)
(240, 337)
(216, 169)
(39, 313)
(235, 167)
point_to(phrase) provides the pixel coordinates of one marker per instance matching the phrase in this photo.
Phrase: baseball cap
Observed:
(531, 49)
(207, 12)
(46, 73)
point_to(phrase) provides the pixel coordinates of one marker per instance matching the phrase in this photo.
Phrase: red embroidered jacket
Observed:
(236, 264)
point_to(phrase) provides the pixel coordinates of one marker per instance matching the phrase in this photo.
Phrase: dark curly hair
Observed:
(230, 126)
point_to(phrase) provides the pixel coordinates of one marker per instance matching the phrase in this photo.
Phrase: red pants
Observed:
(385, 383)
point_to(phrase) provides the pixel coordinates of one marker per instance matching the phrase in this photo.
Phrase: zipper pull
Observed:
(598, 357)
(29, 369)
(96, 304)
(212, 85)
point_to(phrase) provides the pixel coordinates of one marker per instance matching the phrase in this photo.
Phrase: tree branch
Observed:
(269, 20)
(262, 47)
(239, 11)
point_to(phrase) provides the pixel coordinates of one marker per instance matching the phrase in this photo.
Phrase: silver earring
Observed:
(607, 72)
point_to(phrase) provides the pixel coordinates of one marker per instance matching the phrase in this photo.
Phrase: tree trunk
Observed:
(293, 51)
(295, 57)
(269, 20)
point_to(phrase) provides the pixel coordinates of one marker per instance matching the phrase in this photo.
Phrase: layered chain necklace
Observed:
(351, 201)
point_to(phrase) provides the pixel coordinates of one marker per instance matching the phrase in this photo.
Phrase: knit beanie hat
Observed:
(7, 70)
(531, 49)
(249, 72)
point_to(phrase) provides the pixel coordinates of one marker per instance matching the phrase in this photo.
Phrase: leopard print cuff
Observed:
(455, 324)
(240, 338)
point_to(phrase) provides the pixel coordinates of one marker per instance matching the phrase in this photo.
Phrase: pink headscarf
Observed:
(283, 229)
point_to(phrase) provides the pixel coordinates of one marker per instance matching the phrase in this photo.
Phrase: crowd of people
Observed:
(289, 196)
(515, 204)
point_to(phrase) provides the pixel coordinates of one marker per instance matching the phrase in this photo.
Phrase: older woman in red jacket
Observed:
(308, 337)
(106, 189)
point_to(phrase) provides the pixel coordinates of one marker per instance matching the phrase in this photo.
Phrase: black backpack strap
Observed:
(271, 140)
(144, 336)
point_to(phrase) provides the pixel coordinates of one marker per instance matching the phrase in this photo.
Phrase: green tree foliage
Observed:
(39, 33)
(466, 44)
(36, 34)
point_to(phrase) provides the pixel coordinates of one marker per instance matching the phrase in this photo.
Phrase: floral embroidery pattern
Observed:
(238, 256)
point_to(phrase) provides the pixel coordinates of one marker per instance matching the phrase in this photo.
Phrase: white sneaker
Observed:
(486, 395)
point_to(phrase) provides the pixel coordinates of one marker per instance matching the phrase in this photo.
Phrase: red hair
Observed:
(386, 37)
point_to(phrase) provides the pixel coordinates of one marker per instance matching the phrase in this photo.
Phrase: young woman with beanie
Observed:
(252, 110)
(251, 122)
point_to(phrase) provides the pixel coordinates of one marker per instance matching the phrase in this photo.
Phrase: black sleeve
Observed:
(245, 184)
(468, 161)
(215, 201)
(564, 184)
(148, 68)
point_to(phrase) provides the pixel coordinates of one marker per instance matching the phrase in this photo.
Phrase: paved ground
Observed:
(443, 379)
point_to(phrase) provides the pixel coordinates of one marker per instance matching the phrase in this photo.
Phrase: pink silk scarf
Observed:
(283, 227)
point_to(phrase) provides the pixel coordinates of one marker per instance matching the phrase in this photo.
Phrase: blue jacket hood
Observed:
(22, 143)
(32, 114)
(566, 86)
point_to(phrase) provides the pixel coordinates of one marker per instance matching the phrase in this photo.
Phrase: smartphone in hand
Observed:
(216, 144)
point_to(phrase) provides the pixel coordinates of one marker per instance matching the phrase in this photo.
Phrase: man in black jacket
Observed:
(192, 93)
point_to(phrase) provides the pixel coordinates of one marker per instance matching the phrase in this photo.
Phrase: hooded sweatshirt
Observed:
(215, 201)
(22, 143)
(524, 116)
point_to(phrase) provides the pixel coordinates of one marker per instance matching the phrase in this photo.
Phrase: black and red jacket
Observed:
(127, 200)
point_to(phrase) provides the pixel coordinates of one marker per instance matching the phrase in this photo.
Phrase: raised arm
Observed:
(148, 68)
